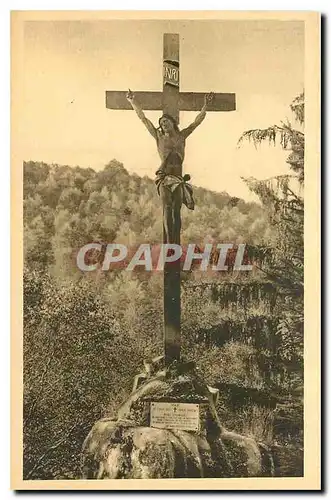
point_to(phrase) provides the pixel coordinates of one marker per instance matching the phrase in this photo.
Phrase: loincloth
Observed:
(174, 182)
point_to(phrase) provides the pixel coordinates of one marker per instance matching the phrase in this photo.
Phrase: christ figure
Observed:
(172, 187)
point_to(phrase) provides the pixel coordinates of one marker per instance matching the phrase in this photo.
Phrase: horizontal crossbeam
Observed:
(188, 101)
(193, 101)
(116, 99)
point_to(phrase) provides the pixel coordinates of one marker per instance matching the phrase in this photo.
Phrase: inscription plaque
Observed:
(171, 73)
(179, 416)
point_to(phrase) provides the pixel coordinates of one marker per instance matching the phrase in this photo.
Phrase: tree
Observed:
(283, 199)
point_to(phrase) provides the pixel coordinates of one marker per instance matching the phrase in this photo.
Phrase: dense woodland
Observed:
(87, 334)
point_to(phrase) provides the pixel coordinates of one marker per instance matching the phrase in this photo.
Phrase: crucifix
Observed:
(171, 101)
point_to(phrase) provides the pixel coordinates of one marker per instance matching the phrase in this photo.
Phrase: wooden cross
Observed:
(171, 101)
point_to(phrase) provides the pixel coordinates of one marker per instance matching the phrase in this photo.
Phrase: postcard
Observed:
(165, 195)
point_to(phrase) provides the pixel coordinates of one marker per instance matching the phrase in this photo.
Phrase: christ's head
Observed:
(168, 124)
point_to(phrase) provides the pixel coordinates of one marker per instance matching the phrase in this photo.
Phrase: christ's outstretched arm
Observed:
(148, 124)
(199, 119)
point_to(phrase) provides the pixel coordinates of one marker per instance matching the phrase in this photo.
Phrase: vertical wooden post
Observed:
(171, 62)
(171, 271)
(171, 101)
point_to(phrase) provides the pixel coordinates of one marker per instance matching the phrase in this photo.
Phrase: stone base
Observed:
(128, 447)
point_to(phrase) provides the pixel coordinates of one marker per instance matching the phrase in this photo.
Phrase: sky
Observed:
(68, 66)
